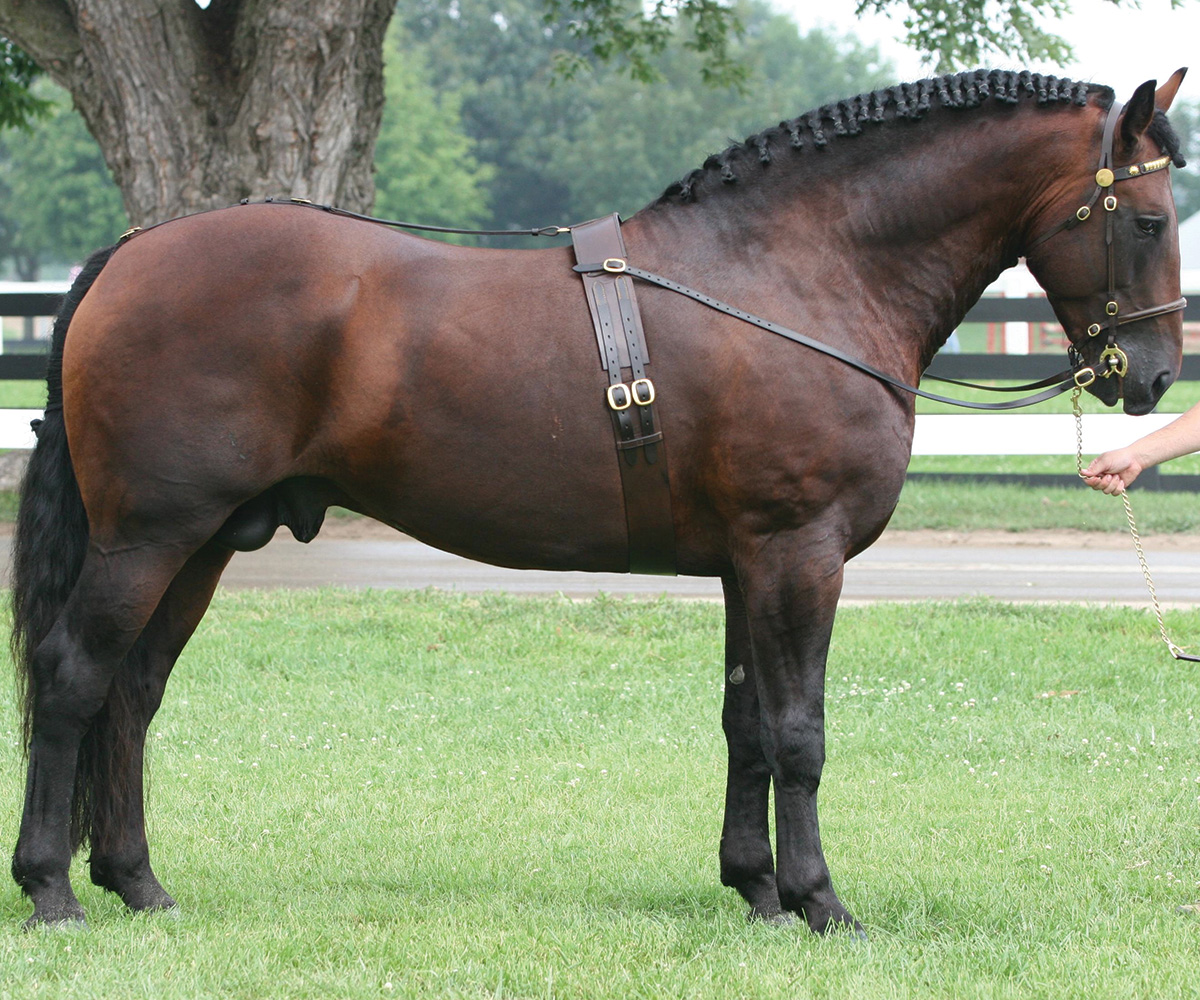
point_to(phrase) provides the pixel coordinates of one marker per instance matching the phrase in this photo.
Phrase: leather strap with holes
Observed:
(630, 397)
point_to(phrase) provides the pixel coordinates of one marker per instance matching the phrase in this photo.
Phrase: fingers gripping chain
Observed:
(1176, 651)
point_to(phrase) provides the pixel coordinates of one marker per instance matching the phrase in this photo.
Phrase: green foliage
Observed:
(638, 34)
(57, 200)
(956, 34)
(425, 170)
(19, 106)
(603, 141)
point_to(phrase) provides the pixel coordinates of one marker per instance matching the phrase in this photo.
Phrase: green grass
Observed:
(22, 393)
(967, 506)
(414, 795)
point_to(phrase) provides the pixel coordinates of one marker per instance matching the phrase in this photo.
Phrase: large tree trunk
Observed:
(197, 109)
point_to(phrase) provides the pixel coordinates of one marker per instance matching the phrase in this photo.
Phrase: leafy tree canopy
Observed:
(18, 104)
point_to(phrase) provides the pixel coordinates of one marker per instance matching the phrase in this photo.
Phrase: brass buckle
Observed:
(1116, 360)
(1083, 213)
(612, 399)
(128, 232)
(1110, 203)
(1084, 373)
(1111, 308)
(1094, 330)
(648, 386)
(615, 265)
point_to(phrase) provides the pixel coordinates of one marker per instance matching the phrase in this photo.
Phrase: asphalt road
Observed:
(898, 568)
(907, 569)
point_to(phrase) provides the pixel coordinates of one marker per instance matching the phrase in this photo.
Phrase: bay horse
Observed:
(226, 373)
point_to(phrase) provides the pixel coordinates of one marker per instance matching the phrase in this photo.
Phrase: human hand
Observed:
(1114, 471)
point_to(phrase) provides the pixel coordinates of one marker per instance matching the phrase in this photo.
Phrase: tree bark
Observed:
(198, 108)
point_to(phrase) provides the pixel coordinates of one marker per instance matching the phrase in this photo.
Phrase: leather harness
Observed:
(630, 398)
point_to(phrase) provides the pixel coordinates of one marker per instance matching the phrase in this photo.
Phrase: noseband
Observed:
(1113, 360)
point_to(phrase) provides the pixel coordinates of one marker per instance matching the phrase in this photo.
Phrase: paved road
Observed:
(889, 571)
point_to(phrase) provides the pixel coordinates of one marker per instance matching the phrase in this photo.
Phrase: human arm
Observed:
(1115, 470)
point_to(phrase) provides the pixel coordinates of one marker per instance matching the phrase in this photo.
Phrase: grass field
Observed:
(418, 795)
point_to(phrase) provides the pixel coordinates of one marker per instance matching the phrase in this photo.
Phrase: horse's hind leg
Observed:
(791, 585)
(747, 864)
(71, 674)
(120, 855)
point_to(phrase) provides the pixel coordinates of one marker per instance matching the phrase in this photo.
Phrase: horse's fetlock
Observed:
(35, 871)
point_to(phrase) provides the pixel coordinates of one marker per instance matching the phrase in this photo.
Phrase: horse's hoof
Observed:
(158, 902)
(54, 924)
(775, 918)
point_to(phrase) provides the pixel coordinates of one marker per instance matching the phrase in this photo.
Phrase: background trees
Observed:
(57, 202)
(479, 129)
(480, 125)
(195, 108)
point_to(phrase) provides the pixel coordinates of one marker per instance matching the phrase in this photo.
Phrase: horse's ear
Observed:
(1166, 93)
(1138, 114)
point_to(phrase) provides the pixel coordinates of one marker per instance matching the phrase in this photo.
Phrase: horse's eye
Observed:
(1149, 225)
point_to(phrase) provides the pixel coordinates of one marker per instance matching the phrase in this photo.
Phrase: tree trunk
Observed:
(198, 108)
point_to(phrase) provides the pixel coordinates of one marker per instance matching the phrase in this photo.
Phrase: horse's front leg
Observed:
(747, 864)
(791, 586)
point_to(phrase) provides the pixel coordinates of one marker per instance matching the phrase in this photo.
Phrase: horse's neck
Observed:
(888, 252)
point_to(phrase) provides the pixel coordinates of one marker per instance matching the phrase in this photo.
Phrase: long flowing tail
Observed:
(51, 534)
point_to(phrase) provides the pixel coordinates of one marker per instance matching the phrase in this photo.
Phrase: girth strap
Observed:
(630, 399)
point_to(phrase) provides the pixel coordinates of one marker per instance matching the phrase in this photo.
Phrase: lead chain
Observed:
(1133, 531)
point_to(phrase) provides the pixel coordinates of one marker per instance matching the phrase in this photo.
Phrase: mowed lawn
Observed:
(425, 795)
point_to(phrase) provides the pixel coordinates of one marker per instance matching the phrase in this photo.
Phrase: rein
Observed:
(1060, 383)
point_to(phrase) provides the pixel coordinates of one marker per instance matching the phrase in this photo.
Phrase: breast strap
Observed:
(630, 399)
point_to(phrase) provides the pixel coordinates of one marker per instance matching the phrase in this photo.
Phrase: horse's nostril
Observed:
(1162, 384)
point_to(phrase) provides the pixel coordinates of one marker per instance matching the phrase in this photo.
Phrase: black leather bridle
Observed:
(1112, 360)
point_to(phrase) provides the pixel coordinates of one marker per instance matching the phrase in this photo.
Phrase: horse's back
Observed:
(438, 387)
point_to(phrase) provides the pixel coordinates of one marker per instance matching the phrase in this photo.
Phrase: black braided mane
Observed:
(814, 129)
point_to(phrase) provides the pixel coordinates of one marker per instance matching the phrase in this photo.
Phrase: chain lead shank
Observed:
(1175, 650)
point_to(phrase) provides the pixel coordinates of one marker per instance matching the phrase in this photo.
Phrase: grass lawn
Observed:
(418, 795)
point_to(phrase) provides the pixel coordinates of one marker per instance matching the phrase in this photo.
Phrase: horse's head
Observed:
(1106, 249)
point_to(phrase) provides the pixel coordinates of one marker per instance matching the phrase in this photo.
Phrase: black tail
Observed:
(51, 534)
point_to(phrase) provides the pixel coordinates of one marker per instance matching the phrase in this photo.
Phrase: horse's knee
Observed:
(796, 752)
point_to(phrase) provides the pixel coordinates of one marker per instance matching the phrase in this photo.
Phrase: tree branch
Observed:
(46, 30)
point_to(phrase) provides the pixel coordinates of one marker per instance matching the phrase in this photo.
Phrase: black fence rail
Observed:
(1024, 367)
